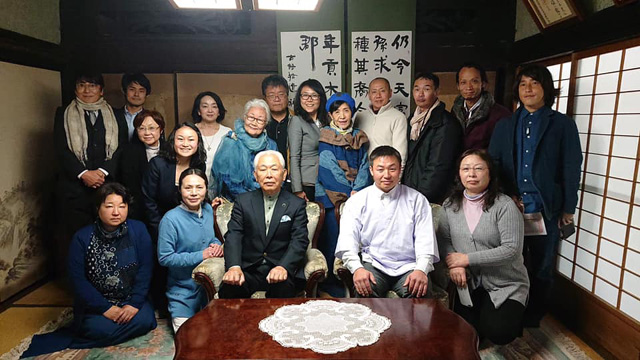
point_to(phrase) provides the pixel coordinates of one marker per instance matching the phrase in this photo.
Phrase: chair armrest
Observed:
(315, 261)
(209, 274)
(342, 273)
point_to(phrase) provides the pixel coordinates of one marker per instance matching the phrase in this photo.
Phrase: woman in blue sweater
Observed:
(110, 265)
(185, 238)
(343, 170)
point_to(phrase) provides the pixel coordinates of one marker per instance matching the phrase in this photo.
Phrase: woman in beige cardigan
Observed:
(481, 235)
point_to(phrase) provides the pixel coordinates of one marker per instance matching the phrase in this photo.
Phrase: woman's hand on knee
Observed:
(113, 313)
(128, 312)
(459, 276)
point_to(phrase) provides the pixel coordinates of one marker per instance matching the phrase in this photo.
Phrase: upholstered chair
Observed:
(441, 288)
(210, 271)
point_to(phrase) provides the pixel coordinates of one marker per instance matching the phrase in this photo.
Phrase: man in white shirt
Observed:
(383, 124)
(387, 239)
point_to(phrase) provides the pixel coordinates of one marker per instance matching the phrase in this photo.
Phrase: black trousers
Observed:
(501, 325)
(255, 279)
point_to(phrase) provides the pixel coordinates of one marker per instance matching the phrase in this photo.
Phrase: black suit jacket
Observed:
(70, 166)
(133, 166)
(119, 114)
(247, 243)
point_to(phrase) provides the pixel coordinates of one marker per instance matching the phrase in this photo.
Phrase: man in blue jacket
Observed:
(538, 152)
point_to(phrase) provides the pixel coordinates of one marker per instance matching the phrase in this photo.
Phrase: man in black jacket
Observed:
(135, 87)
(435, 140)
(267, 235)
(87, 140)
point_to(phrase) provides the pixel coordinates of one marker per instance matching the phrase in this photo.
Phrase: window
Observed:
(602, 94)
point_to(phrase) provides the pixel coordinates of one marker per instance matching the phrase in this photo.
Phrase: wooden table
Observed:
(420, 329)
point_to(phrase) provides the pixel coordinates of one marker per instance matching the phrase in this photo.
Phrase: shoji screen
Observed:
(604, 255)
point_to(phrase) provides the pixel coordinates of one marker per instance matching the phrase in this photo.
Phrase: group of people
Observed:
(488, 168)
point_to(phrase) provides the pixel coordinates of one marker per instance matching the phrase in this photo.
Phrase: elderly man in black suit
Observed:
(267, 237)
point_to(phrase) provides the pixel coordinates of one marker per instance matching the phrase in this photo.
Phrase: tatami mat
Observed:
(16, 323)
(53, 293)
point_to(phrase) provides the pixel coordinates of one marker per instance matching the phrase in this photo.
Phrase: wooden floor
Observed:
(28, 314)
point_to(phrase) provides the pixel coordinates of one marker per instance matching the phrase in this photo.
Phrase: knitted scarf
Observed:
(75, 128)
(420, 119)
(482, 112)
(331, 135)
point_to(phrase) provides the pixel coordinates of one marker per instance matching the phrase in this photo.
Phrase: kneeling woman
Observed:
(185, 238)
(343, 170)
(110, 265)
(481, 233)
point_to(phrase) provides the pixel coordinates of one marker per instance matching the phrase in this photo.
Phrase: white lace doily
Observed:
(325, 326)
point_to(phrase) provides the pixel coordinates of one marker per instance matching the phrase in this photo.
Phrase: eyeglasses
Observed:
(256, 120)
(149, 129)
(310, 96)
(276, 96)
(477, 169)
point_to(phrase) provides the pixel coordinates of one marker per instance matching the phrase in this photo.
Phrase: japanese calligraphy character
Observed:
(401, 107)
(361, 43)
(329, 43)
(331, 66)
(380, 43)
(381, 65)
(293, 87)
(290, 57)
(360, 107)
(310, 41)
(361, 66)
(291, 76)
(401, 64)
(331, 89)
(360, 89)
(400, 41)
(291, 66)
(400, 89)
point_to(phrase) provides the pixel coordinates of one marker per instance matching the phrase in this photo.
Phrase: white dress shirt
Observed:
(393, 231)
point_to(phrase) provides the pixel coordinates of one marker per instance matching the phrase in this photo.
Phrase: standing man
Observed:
(435, 139)
(135, 87)
(267, 235)
(538, 151)
(275, 91)
(475, 107)
(383, 124)
(87, 138)
(386, 233)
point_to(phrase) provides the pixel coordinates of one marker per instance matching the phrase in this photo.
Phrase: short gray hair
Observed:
(257, 103)
(265, 153)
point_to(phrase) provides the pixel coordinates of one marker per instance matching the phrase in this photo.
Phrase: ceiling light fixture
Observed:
(300, 5)
(207, 4)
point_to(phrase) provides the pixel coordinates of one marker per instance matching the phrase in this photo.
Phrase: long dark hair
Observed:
(493, 189)
(169, 152)
(315, 85)
(200, 173)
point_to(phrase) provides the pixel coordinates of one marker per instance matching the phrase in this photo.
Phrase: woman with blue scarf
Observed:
(233, 164)
(343, 170)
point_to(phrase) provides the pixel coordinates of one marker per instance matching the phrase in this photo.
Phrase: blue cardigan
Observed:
(556, 160)
(182, 238)
(87, 297)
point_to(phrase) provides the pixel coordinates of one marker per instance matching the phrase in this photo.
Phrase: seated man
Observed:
(267, 237)
(389, 226)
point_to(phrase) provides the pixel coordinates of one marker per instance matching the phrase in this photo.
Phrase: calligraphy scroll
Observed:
(311, 55)
(384, 54)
